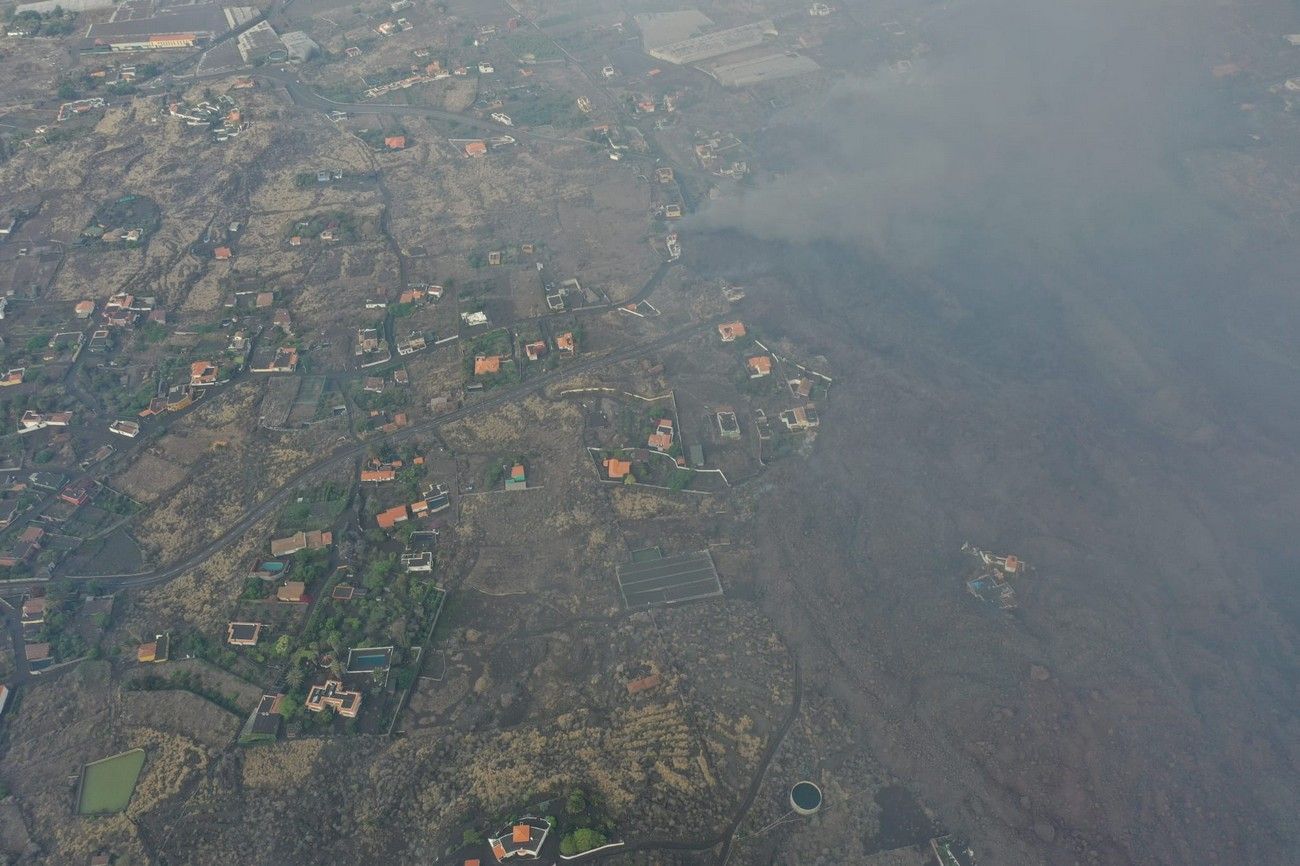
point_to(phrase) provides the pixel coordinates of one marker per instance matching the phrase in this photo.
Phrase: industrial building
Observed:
(699, 48)
(140, 26)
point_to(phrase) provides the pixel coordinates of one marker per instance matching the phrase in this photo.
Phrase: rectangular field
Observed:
(670, 580)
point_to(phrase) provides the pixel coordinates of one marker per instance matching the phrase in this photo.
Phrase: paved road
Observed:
(356, 450)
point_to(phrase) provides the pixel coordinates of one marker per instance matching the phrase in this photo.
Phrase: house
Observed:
(728, 424)
(21, 553)
(801, 387)
(221, 254)
(368, 340)
(292, 592)
(295, 241)
(565, 343)
(759, 366)
(411, 344)
(373, 384)
(332, 694)
(84, 309)
(264, 300)
(284, 360)
(399, 421)
(203, 373)
(119, 302)
(101, 858)
(494, 257)
(395, 142)
(38, 655)
(645, 683)
(155, 651)
(664, 174)
(13, 377)
(314, 540)
(377, 476)
(243, 633)
(421, 561)
(476, 148)
(535, 350)
(32, 420)
(280, 319)
(401, 377)
(393, 516)
(801, 418)
(617, 469)
(78, 492)
(662, 438)
(34, 611)
(523, 839)
(264, 723)
(518, 480)
(487, 365)
(731, 331)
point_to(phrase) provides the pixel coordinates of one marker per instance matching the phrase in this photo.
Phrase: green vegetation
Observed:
(56, 22)
(186, 681)
(107, 785)
(680, 479)
(62, 602)
(584, 825)
(396, 610)
(343, 225)
(315, 508)
(553, 109)
(532, 47)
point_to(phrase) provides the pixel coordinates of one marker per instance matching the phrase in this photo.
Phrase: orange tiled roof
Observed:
(760, 365)
(618, 468)
(486, 365)
(521, 833)
(390, 518)
(731, 330)
(377, 475)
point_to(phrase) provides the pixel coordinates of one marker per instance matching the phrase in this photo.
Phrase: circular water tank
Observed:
(805, 798)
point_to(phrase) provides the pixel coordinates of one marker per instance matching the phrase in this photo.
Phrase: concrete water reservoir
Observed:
(805, 798)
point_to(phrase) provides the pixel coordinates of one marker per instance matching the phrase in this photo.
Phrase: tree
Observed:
(282, 644)
(576, 804)
(289, 707)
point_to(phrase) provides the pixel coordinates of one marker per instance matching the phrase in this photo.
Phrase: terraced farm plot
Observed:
(669, 580)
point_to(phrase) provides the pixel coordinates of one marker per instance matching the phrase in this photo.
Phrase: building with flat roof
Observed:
(300, 46)
(716, 44)
(171, 28)
(261, 43)
(332, 694)
(243, 633)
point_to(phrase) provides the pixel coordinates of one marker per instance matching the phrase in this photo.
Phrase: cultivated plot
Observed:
(669, 580)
